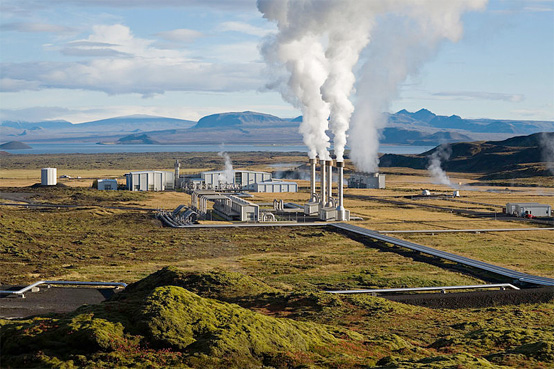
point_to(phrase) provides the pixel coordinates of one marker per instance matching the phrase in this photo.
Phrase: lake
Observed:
(91, 148)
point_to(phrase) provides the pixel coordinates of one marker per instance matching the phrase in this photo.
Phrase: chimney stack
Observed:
(176, 179)
(323, 199)
(329, 181)
(340, 207)
(312, 180)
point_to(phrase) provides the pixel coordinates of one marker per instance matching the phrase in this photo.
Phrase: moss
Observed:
(173, 316)
(456, 361)
(166, 326)
(215, 284)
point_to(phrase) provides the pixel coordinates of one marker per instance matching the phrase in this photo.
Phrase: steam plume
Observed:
(318, 45)
(228, 173)
(442, 153)
(546, 141)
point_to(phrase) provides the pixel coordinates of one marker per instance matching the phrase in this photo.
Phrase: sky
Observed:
(83, 60)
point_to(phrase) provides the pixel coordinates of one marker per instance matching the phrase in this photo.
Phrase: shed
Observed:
(107, 184)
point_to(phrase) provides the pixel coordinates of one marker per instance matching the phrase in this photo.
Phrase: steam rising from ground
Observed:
(547, 150)
(318, 46)
(227, 176)
(441, 154)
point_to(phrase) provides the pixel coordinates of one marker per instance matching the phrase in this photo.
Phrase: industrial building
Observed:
(107, 184)
(523, 209)
(273, 186)
(240, 178)
(150, 180)
(367, 180)
(48, 176)
(234, 208)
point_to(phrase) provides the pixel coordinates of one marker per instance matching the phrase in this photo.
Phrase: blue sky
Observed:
(82, 60)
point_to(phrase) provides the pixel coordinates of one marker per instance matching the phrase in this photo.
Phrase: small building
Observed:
(273, 186)
(240, 178)
(107, 184)
(150, 180)
(522, 209)
(366, 180)
(48, 176)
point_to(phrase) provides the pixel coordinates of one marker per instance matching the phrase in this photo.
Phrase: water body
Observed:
(91, 148)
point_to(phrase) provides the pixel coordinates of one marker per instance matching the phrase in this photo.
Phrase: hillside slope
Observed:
(523, 156)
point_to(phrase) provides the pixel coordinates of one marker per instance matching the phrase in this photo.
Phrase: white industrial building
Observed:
(107, 184)
(48, 176)
(366, 180)
(522, 209)
(234, 208)
(274, 186)
(240, 178)
(150, 180)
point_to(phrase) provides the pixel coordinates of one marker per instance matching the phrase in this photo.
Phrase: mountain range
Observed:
(405, 128)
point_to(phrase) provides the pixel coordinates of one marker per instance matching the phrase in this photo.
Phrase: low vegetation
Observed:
(255, 297)
(168, 320)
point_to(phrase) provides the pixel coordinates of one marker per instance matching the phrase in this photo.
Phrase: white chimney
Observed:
(329, 181)
(323, 199)
(312, 180)
(340, 207)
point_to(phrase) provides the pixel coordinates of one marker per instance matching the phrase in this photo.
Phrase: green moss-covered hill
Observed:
(176, 319)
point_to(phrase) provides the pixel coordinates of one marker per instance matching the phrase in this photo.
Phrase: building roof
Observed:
(234, 171)
(150, 171)
(277, 182)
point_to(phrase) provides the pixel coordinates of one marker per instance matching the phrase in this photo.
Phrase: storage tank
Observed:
(48, 176)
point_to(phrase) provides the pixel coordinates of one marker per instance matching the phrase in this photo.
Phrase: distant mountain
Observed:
(499, 159)
(246, 118)
(422, 127)
(137, 139)
(137, 122)
(15, 145)
(104, 130)
(47, 124)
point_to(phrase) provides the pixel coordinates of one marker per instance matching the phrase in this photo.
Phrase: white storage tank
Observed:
(48, 176)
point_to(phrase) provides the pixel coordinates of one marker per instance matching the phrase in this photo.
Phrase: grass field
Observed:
(286, 269)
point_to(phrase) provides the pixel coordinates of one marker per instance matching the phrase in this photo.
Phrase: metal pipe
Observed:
(312, 180)
(323, 199)
(329, 181)
(421, 289)
(340, 207)
(22, 291)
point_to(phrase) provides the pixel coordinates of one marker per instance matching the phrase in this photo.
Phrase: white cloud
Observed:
(11, 85)
(244, 28)
(479, 95)
(180, 35)
(35, 27)
(127, 64)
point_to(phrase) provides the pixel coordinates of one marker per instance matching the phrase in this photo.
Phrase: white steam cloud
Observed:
(227, 176)
(318, 47)
(441, 154)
